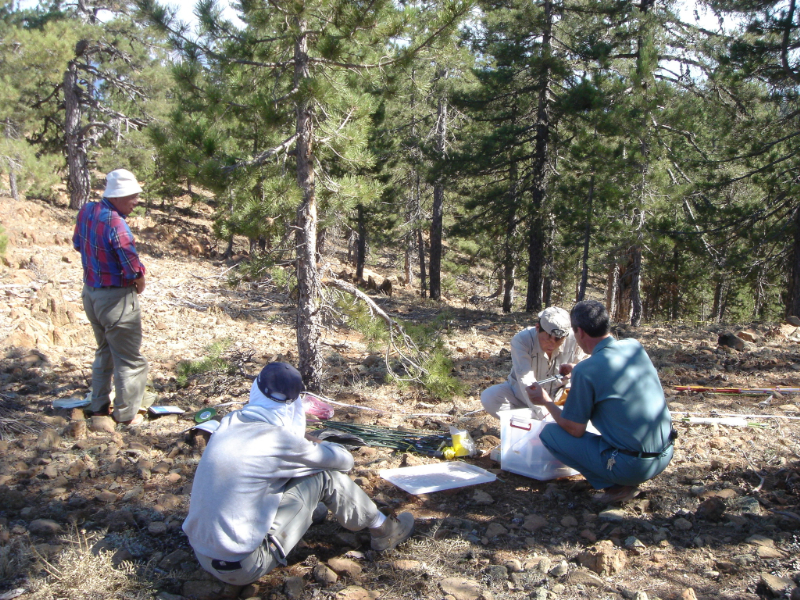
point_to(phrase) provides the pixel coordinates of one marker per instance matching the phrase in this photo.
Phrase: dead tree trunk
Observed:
(309, 317)
(611, 290)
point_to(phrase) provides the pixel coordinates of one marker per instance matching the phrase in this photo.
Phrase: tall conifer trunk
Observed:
(643, 70)
(77, 162)
(793, 304)
(12, 183)
(509, 267)
(309, 318)
(611, 290)
(587, 234)
(408, 272)
(361, 245)
(636, 286)
(423, 277)
(533, 301)
(438, 205)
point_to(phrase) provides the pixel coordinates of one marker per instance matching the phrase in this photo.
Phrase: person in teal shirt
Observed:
(618, 390)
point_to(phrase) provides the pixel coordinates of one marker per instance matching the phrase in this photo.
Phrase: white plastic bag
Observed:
(521, 450)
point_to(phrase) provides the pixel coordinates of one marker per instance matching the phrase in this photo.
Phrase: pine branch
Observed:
(262, 158)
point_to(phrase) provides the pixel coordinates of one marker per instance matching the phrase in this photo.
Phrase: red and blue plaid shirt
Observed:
(106, 245)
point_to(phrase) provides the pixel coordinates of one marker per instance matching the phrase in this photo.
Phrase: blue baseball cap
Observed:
(280, 382)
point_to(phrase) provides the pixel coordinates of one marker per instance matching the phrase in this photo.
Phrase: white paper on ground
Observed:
(424, 479)
(166, 410)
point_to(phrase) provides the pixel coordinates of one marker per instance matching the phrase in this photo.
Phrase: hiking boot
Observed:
(104, 411)
(320, 514)
(134, 422)
(618, 493)
(393, 532)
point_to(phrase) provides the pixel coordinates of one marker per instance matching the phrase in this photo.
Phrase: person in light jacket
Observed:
(537, 353)
(260, 480)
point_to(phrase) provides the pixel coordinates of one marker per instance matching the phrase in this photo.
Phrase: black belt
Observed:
(672, 435)
(226, 565)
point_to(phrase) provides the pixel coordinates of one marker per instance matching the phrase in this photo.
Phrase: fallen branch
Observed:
(396, 330)
(786, 513)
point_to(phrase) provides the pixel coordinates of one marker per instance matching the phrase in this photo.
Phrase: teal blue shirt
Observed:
(618, 389)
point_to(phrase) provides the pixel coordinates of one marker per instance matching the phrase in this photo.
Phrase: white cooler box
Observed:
(521, 450)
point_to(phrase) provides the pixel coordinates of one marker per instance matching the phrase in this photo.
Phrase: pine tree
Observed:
(300, 70)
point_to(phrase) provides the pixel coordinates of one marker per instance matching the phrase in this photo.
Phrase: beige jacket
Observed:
(529, 363)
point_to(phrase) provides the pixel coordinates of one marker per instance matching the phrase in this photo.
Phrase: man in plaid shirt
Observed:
(113, 278)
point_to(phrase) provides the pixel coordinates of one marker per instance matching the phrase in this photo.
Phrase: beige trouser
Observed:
(501, 397)
(117, 324)
(349, 503)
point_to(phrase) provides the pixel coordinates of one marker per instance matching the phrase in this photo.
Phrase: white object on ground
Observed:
(166, 410)
(732, 421)
(72, 402)
(424, 479)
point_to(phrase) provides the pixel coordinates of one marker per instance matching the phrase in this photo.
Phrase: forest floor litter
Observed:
(92, 510)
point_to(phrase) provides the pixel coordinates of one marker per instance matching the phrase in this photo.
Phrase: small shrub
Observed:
(439, 380)
(3, 241)
(212, 362)
(469, 247)
(452, 268)
(282, 280)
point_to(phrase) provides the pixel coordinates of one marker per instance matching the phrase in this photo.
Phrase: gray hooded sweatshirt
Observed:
(240, 479)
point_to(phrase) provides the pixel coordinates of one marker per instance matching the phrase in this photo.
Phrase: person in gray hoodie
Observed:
(260, 480)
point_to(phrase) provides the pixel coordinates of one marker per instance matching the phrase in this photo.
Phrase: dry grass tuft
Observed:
(79, 574)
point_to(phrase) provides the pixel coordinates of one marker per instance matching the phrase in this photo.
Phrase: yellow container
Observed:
(459, 439)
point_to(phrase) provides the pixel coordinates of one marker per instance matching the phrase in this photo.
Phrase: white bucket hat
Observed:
(555, 321)
(121, 183)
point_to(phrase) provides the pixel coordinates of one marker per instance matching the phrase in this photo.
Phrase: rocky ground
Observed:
(89, 510)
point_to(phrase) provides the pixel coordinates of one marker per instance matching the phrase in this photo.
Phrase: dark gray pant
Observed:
(349, 503)
(117, 324)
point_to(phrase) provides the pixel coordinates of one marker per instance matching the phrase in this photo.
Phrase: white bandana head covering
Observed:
(280, 414)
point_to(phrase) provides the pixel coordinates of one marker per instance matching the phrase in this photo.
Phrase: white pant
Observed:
(501, 397)
(353, 509)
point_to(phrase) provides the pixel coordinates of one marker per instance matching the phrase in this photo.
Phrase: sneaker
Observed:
(618, 493)
(320, 514)
(495, 454)
(393, 532)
